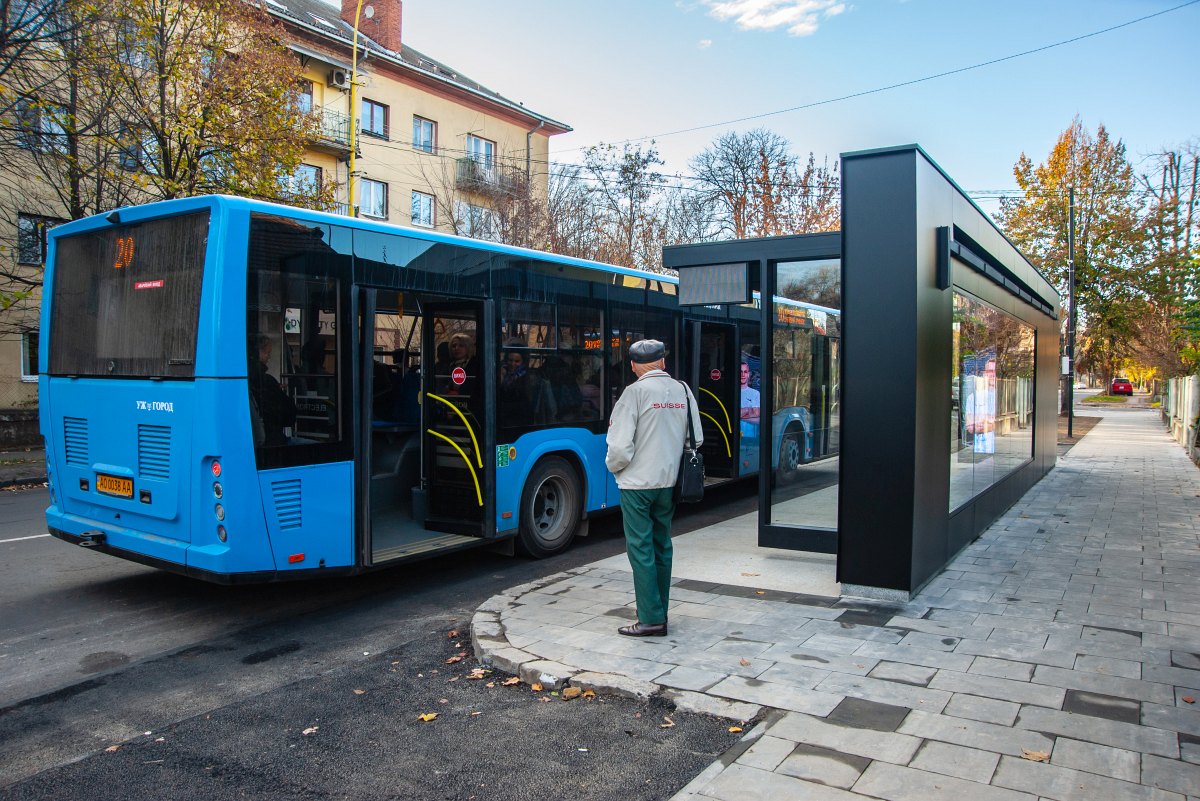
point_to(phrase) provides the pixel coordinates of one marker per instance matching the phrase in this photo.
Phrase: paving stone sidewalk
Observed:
(1057, 657)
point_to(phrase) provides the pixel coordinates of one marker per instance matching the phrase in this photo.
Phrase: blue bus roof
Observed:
(227, 203)
(163, 208)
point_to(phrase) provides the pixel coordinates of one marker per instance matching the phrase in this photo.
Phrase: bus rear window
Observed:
(127, 299)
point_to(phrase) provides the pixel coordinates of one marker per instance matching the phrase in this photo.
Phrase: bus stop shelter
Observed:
(911, 361)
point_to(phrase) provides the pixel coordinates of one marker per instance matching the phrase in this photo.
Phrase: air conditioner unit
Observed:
(339, 79)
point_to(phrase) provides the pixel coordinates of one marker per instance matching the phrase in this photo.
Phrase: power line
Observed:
(902, 84)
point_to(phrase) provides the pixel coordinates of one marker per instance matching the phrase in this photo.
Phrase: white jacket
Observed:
(647, 432)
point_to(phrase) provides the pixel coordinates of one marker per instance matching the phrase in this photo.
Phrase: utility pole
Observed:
(1071, 315)
(350, 174)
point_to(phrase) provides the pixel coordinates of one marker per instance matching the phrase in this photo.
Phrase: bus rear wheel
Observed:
(551, 508)
(791, 455)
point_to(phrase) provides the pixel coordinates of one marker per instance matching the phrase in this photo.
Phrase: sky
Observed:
(619, 70)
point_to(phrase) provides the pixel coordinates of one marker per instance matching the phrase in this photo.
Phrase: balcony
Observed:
(333, 131)
(483, 177)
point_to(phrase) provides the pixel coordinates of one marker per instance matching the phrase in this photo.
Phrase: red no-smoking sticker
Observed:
(715, 375)
(458, 376)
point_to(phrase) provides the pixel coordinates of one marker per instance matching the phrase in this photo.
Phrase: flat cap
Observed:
(645, 351)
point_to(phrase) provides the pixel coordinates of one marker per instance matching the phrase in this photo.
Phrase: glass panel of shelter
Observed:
(804, 431)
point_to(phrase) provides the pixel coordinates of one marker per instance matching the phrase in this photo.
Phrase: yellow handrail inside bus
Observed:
(462, 453)
(470, 430)
(720, 431)
(729, 425)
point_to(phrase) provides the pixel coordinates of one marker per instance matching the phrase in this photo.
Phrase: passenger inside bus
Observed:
(460, 352)
(276, 411)
(525, 398)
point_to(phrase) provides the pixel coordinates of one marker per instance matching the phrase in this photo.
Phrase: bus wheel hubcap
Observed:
(547, 505)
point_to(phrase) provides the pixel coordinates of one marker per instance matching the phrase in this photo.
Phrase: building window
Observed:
(40, 127)
(139, 149)
(133, 48)
(478, 222)
(373, 198)
(482, 152)
(304, 100)
(424, 134)
(29, 356)
(374, 119)
(422, 209)
(31, 237)
(305, 181)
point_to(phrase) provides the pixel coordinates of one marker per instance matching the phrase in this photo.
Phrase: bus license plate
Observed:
(114, 485)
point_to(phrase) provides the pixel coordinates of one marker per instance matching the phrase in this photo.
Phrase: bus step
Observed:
(435, 542)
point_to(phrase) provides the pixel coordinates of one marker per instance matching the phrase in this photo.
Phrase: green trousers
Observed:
(647, 517)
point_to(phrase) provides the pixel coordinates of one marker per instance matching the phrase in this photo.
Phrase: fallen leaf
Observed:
(1035, 756)
(545, 699)
(744, 662)
(571, 692)
(112, 749)
(452, 634)
(512, 681)
(735, 729)
(443, 700)
(454, 659)
(477, 673)
(359, 692)
(751, 574)
(476, 714)
(589, 693)
(452, 680)
(759, 592)
(537, 688)
(1188, 699)
(310, 730)
(490, 684)
(425, 717)
(670, 724)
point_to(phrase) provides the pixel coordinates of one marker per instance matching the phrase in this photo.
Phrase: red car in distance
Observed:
(1121, 386)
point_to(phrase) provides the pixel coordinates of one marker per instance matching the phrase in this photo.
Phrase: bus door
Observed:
(714, 380)
(825, 402)
(458, 475)
(390, 442)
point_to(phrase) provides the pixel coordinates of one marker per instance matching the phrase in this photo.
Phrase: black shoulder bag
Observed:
(689, 485)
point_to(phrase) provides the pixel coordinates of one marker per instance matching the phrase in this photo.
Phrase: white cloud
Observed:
(704, 44)
(800, 17)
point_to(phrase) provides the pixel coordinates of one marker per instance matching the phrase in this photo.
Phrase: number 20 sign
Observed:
(125, 247)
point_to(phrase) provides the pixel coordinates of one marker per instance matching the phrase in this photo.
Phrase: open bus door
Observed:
(458, 473)
(713, 376)
(397, 450)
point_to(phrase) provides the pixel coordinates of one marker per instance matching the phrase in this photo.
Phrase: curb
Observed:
(24, 480)
(493, 649)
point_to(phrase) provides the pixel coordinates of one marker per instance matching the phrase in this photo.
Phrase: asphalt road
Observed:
(119, 681)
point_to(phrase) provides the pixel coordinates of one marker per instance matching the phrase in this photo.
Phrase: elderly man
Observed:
(645, 441)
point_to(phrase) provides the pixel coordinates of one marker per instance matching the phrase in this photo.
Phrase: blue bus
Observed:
(241, 391)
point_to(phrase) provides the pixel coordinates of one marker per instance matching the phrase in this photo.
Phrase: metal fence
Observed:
(1180, 409)
(17, 394)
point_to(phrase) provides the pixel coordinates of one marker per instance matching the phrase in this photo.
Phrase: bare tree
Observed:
(1169, 280)
(760, 189)
(625, 184)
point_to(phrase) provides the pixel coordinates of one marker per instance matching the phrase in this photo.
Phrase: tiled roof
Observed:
(324, 19)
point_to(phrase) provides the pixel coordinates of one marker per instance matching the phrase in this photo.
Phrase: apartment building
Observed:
(432, 148)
